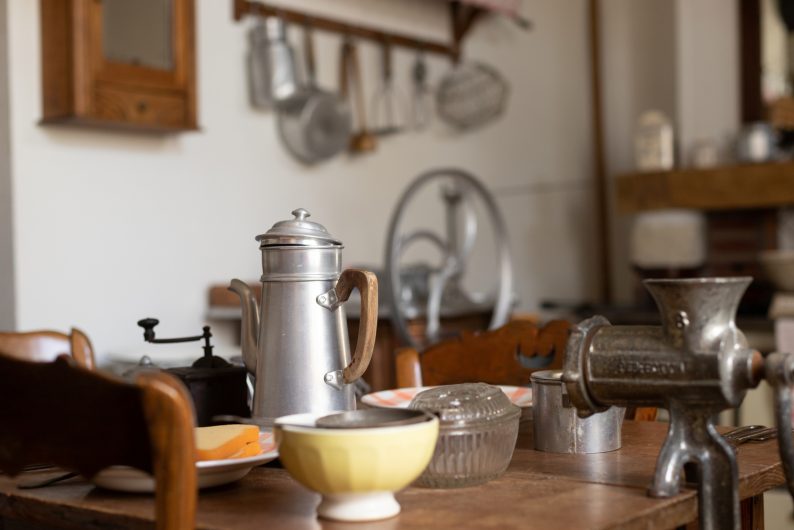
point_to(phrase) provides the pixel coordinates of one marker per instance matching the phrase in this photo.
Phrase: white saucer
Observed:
(210, 472)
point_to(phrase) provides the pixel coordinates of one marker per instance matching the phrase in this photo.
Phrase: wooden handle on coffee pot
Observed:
(367, 284)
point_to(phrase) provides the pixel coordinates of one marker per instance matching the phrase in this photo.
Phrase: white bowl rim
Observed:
(304, 422)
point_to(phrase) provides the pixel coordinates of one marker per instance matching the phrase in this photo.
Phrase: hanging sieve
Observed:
(471, 95)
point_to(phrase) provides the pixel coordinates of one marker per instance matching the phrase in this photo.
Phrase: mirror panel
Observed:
(138, 33)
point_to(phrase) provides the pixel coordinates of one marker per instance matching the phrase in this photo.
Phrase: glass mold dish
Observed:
(477, 436)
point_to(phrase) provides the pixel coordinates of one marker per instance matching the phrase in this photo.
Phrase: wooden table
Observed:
(538, 491)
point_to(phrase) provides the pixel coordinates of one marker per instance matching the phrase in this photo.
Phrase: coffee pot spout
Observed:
(249, 330)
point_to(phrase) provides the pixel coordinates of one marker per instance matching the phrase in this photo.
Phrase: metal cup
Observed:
(558, 428)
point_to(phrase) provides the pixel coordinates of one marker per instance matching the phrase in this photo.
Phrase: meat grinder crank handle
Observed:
(779, 373)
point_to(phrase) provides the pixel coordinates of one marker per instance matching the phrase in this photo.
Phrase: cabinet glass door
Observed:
(138, 32)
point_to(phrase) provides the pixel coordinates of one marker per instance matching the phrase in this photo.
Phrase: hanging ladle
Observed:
(386, 105)
(422, 105)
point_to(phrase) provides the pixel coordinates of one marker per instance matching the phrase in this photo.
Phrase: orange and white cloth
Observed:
(401, 397)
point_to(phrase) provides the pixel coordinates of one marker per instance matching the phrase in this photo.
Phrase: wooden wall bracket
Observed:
(462, 17)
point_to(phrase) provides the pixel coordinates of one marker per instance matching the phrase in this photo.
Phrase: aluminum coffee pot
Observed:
(296, 344)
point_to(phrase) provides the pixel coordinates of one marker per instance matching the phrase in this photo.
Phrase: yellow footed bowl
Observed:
(356, 470)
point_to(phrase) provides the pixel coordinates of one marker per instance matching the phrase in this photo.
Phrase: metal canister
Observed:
(559, 429)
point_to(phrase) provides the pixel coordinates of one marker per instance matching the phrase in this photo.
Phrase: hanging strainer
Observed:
(472, 95)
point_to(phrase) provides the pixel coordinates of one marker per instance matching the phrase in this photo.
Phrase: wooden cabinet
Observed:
(119, 63)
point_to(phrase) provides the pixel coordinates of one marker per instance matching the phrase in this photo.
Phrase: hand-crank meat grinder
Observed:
(696, 364)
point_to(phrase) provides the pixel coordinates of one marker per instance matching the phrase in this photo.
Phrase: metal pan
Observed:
(315, 124)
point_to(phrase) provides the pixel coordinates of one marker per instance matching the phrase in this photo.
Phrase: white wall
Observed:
(110, 227)
(681, 58)
(707, 57)
(639, 73)
(6, 237)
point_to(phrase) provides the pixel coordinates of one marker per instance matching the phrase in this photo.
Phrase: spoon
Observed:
(742, 431)
(46, 482)
(760, 435)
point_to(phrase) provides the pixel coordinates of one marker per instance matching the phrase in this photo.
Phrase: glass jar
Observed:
(653, 142)
(477, 436)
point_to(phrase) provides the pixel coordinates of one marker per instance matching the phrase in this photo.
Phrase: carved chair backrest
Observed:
(506, 356)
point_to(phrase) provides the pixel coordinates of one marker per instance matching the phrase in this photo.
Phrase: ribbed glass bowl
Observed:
(477, 435)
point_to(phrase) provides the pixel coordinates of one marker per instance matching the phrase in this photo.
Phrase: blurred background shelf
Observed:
(747, 186)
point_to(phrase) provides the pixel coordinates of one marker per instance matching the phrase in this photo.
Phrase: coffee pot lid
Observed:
(298, 231)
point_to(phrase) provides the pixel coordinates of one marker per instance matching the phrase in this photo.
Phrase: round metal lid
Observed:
(298, 231)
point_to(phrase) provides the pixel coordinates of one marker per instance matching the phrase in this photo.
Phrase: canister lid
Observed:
(548, 377)
(298, 231)
(466, 404)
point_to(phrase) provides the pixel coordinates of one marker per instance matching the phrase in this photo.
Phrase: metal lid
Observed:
(553, 377)
(466, 404)
(298, 232)
(372, 418)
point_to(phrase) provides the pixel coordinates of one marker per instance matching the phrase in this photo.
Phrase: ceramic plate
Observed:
(210, 472)
(401, 397)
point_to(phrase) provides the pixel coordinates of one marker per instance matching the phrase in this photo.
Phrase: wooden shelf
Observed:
(747, 186)
(462, 18)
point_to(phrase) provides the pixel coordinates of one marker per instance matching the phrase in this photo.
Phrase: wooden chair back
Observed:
(45, 346)
(147, 425)
(502, 356)
(493, 357)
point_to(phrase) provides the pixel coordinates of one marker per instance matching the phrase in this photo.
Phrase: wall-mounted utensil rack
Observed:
(462, 18)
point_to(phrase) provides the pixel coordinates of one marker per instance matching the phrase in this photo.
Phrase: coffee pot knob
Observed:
(301, 214)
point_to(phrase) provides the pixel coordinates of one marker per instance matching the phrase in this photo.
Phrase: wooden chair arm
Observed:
(81, 349)
(409, 371)
(168, 410)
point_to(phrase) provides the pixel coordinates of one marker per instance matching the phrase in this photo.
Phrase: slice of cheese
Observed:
(222, 441)
(249, 449)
